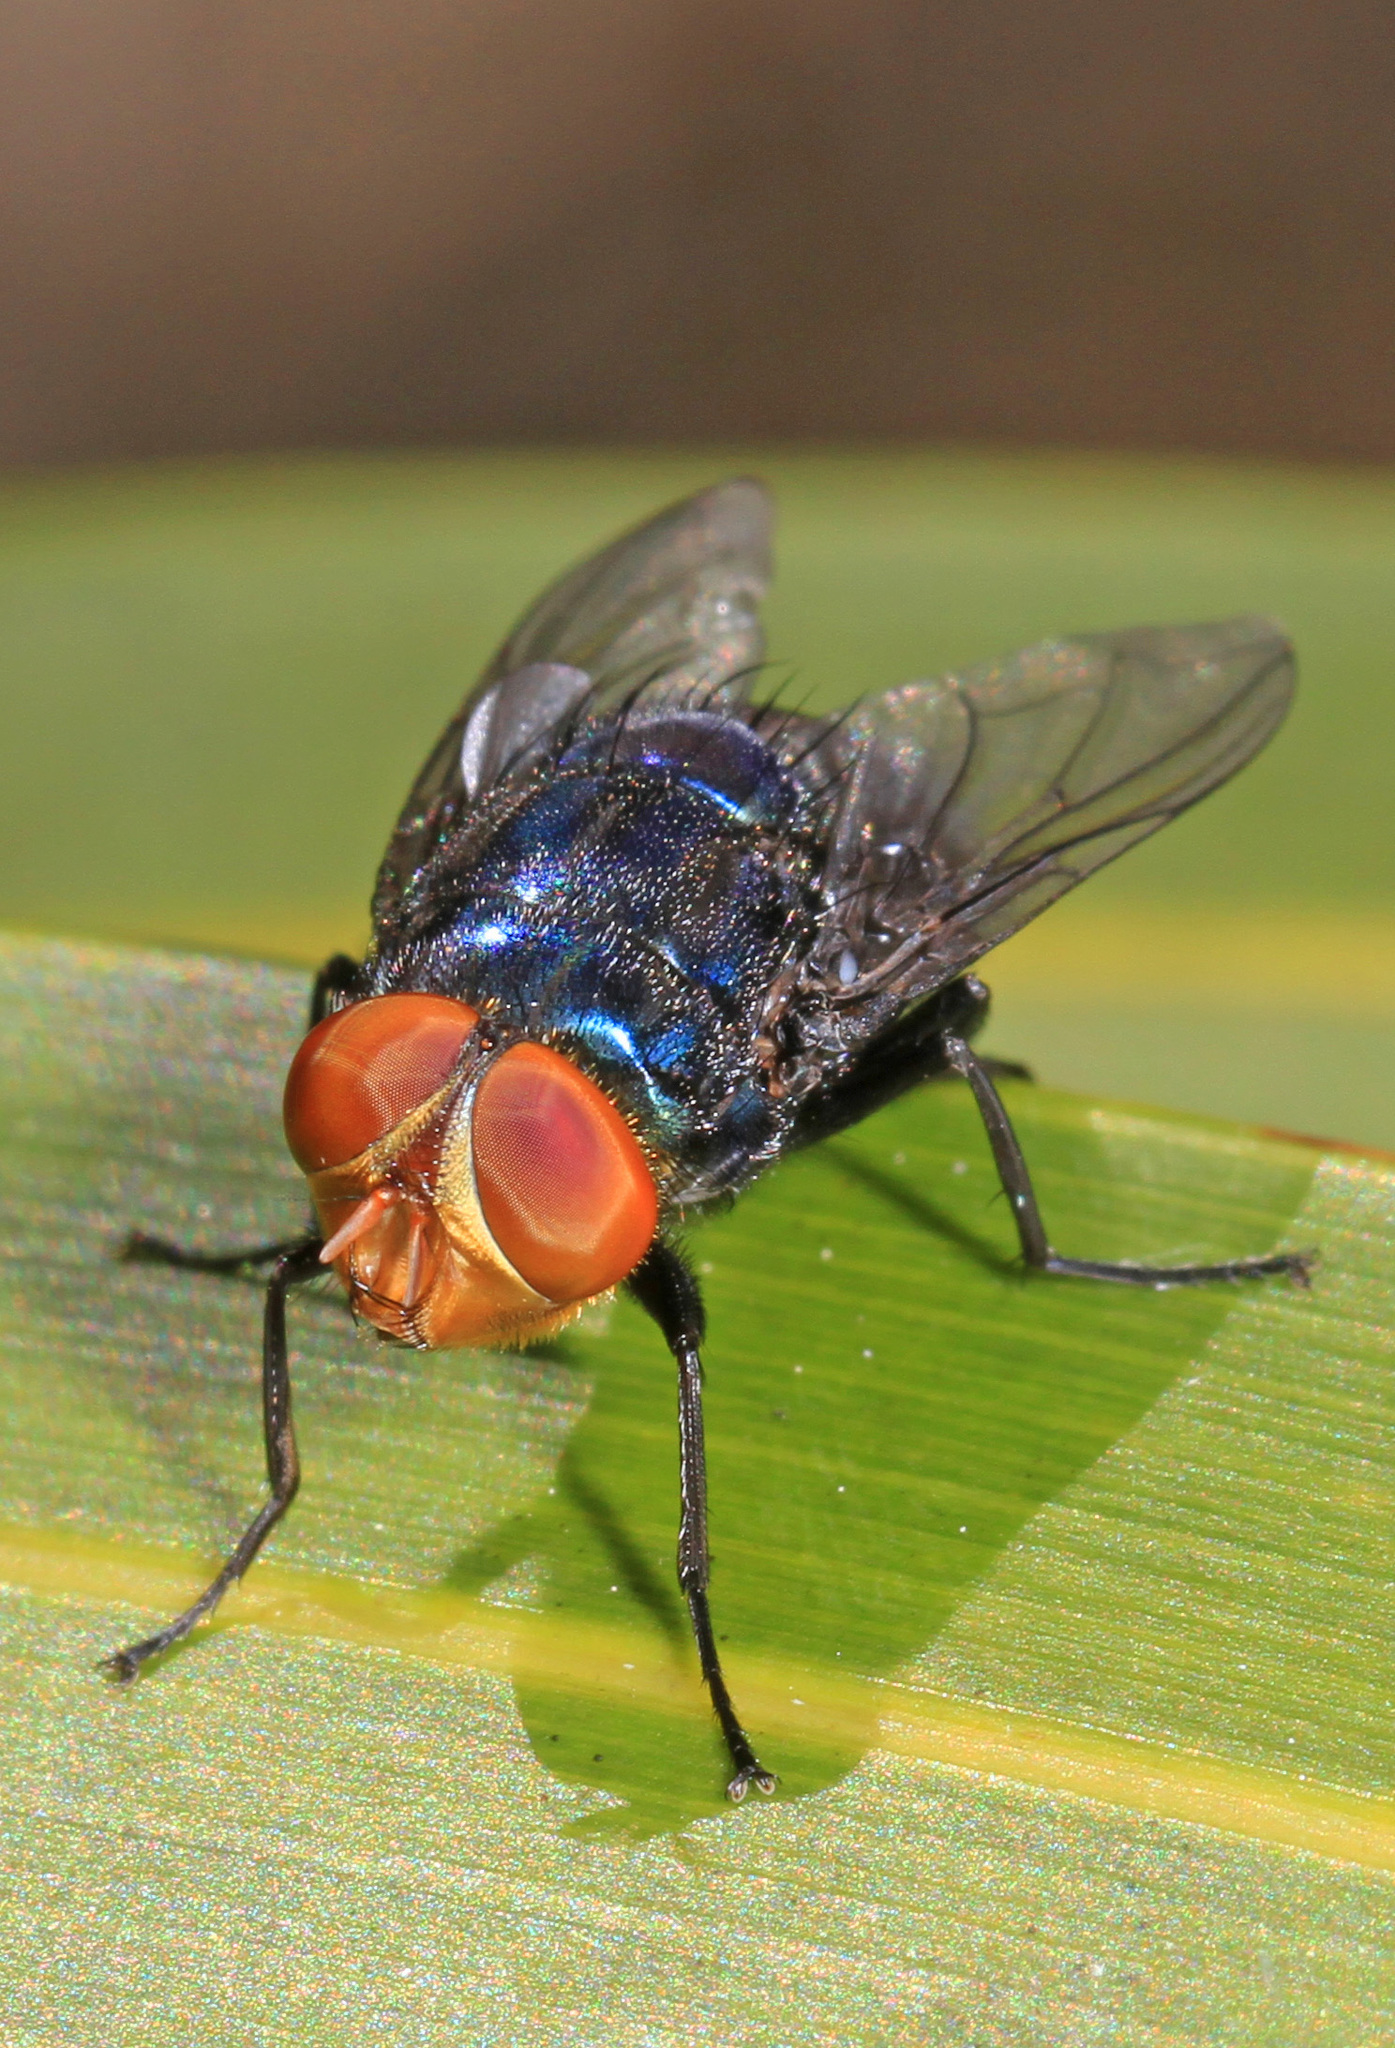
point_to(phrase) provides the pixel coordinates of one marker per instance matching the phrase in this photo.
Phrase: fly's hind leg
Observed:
(1037, 1250)
(932, 1040)
(296, 1263)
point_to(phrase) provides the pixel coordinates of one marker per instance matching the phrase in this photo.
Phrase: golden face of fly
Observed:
(465, 1196)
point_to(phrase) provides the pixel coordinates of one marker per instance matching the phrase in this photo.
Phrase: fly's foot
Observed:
(122, 1665)
(748, 1775)
(1294, 1266)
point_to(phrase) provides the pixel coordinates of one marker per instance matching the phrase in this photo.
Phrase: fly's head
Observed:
(467, 1194)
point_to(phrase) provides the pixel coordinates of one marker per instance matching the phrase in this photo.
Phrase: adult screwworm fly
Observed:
(639, 933)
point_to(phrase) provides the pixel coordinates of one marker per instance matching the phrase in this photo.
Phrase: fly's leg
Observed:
(932, 1040)
(1031, 1231)
(663, 1285)
(141, 1250)
(295, 1264)
(293, 1261)
(338, 977)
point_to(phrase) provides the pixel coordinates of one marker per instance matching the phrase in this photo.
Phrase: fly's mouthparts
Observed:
(416, 1247)
(360, 1221)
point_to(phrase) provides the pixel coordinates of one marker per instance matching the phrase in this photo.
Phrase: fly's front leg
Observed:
(338, 978)
(663, 1285)
(141, 1250)
(1031, 1231)
(298, 1263)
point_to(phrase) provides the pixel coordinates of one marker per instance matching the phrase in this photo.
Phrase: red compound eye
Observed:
(361, 1071)
(562, 1182)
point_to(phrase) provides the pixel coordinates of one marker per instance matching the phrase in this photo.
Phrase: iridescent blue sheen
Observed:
(634, 909)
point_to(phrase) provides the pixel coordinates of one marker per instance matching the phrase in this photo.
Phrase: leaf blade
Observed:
(973, 1867)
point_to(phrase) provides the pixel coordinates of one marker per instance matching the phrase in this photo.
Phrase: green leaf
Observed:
(1065, 1613)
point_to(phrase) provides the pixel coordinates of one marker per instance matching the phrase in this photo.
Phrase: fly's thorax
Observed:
(644, 918)
(489, 1210)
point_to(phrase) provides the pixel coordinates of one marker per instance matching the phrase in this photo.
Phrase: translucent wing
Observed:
(964, 806)
(675, 603)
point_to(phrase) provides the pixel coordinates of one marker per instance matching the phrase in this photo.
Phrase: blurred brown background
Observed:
(327, 222)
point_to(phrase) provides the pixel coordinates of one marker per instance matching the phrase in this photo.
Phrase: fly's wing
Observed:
(962, 807)
(675, 604)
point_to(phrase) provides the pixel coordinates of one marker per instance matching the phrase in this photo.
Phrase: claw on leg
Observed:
(751, 1774)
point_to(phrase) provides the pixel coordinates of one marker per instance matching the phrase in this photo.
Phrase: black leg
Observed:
(141, 1250)
(295, 1264)
(1031, 1231)
(338, 977)
(663, 1285)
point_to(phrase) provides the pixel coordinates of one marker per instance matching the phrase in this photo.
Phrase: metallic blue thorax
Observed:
(634, 908)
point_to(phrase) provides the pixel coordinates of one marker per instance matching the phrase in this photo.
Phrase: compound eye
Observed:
(562, 1182)
(364, 1069)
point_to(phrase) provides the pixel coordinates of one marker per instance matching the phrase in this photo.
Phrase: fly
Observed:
(639, 934)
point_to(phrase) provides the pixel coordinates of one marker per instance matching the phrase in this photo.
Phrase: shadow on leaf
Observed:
(889, 1400)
